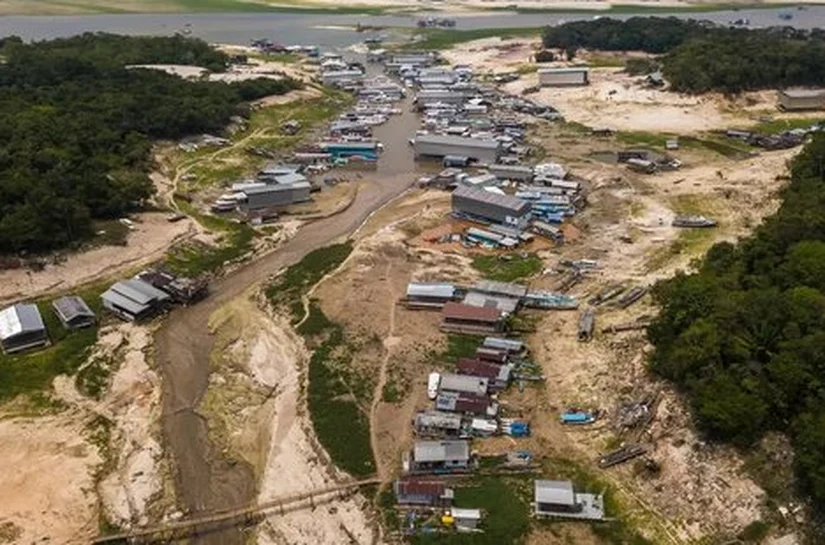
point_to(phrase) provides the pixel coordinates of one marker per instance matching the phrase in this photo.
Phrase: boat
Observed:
(693, 221)
(786, 16)
(577, 418)
(432, 385)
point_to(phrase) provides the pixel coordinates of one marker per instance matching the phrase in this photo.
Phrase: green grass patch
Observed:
(605, 61)
(438, 38)
(288, 288)
(506, 504)
(525, 69)
(31, 372)
(195, 259)
(755, 532)
(727, 148)
(508, 267)
(341, 425)
(458, 346)
(316, 321)
(111, 233)
(780, 125)
(690, 241)
(620, 529)
(640, 138)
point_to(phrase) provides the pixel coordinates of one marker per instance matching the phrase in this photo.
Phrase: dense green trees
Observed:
(744, 336)
(700, 57)
(76, 128)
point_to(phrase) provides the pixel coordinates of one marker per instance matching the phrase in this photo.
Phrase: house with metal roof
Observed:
(438, 456)
(519, 173)
(465, 520)
(440, 145)
(427, 492)
(512, 346)
(463, 383)
(274, 195)
(490, 207)
(460, 318)
(73, 312)
(21, 328)
(437, 423)
(559, 499)
(463, 403)
(505, 305)
(134, 299)
(506, 289)
(429, 294)
(564, 77)
(796, 100)
(498, 376)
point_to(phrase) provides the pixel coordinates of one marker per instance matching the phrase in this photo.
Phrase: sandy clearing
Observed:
(47, 482)
(266, 423)
(131, 404)
(148, 242)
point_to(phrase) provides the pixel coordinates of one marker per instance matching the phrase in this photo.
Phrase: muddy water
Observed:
(205, 479)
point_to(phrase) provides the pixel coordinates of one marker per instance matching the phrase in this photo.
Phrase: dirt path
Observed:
(389, 342)
(204, 479)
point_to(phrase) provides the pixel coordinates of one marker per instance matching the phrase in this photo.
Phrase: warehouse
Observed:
(134, 299)
(73, 312)
(490, 207)
(269, 196)
(564, 77)
(438, 145)
(21, 327)
(795, 100)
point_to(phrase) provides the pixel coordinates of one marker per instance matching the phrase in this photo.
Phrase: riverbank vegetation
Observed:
(744, 336)
(698, 56)
(77, 127)
(337, 394)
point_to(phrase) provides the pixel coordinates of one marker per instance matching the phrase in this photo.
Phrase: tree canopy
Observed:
(76, 128)
(699, 56)
(744, 336)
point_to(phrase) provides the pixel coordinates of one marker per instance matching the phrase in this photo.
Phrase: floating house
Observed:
(437, 423)
(511, 346)
(438, 457)
(270, 196)
(429, 295)
(423, 492)
(498, 376)
(463, 384)
(471, 320)
(21, 328)
(344, 150)
(462, 403)
(559, 499)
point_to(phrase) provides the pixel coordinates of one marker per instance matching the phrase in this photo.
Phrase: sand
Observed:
(152, 236)
(47, 481)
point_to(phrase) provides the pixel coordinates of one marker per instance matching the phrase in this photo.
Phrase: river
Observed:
(205, 480)
(334, 30)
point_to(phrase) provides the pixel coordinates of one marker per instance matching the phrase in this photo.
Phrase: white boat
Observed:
(432, 385)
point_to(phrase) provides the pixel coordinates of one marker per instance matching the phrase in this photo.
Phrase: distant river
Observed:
(305, 29)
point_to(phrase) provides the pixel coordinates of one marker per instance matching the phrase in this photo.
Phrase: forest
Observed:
(744, 336)
(76, 128)
(697, 57)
